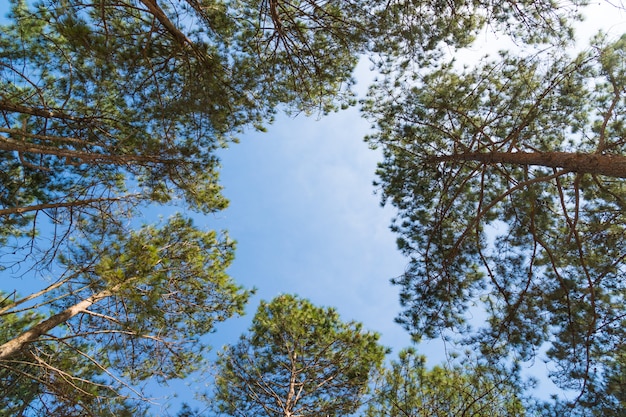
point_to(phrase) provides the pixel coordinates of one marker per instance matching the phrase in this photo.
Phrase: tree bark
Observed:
(82, 157)
(15, 345)
(78, 203)
(160, 15)
(597, 164)
(41, 112)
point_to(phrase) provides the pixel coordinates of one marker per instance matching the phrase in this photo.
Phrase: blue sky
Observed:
(307, 221)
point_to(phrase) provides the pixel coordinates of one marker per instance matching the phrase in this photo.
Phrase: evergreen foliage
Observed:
(297, 360)
(408, 388)
(112, 107)
(507, 176)
(508, 180)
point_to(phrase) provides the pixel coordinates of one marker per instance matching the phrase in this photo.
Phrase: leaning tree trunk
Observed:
(599, 164)
(18, 343)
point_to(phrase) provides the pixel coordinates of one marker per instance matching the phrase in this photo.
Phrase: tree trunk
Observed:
(598, 164)
(15, 345)
(71, 155)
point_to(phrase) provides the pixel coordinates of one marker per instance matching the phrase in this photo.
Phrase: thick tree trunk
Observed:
(15, 345)
(608, 165)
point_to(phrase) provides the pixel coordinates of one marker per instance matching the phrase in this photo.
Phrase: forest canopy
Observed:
(506, 174)
(508, 180)
(113, 108)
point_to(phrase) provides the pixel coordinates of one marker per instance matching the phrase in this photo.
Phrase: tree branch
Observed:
(597, 164)
(36, 207)
(15, 345)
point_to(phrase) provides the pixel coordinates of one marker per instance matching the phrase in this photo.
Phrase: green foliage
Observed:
(495, 217)
(169, 287)
(108, 105)
(157, 291)
(111, 107)
(307, 49)
(416, 33)
(409, 389)
(297, 360)
(32, 384)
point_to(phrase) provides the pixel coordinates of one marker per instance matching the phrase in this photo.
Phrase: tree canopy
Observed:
(109, 107)
(507, 177)
(408, 388)
(297, 360)
(107, 104)
(508, 180)
(131, 311)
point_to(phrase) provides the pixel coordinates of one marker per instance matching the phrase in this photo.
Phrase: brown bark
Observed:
(77, 203)
(18, 343)
(160, 15)
(597, 164)
(179, 36)
(25, 147)
(41, 112)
